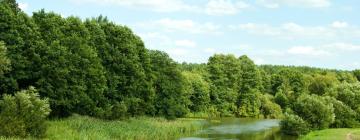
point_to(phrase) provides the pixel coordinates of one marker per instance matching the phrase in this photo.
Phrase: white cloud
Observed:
(342, 47)
(295, 31)
(254, 28)
(325, 49)
(224, 7)
(307, 50)
(187, 26)
(212, 7)
(177, 52)
(339, 24)
(23, 6)
(294, 3)
(154, 5)
(185, 43)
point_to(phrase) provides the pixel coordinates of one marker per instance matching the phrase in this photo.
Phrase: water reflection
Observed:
(241, 129)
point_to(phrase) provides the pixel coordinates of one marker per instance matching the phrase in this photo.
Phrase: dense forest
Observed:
(97, 68)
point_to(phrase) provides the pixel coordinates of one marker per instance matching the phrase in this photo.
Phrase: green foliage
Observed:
(98, 68)
(23, 114)
(4, 61)
(357, 74)
(118, 111)
(281, 99)
(294, 125)
(346, 77)
(318, 113)
(224, 71)
(198, 90)
(171, 99)
(269, 109)
(71, 72)
(224, 76)
(249, 75)
(321, 84)
(348, 93)
(345, 117)
(224, 99)
(249, 104)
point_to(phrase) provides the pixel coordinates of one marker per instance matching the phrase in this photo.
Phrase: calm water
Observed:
(242, 129)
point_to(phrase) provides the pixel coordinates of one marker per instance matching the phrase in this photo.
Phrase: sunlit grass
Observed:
(334, 134)
(143, 128)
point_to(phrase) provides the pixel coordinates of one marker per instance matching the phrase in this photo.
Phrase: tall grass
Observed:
(143, 128)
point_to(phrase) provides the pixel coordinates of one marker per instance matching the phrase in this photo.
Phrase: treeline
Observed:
(97, 68)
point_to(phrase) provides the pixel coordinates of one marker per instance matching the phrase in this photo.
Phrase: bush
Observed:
(294, 125)
(345, 117)
(315, 111)
(270, 109)
(119, 110)
(23, 114)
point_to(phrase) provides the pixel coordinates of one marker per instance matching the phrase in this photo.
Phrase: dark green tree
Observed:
(4, 61)
(357, 74)
(224, 77)
(198, 91)
(171, 99)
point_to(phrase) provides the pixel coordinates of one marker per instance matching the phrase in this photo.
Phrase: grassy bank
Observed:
(143, 128)
(334, 134)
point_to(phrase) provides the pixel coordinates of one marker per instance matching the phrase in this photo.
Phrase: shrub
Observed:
(294, 125)
(345, 117)
(281, 99)
(315, 111)
(23, 114)
(119, 110)
(270, 109)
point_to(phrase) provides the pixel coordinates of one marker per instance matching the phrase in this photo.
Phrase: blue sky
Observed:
(319, 33)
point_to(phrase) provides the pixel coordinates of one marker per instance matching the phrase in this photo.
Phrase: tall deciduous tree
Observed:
(171, 100)
(4, 61)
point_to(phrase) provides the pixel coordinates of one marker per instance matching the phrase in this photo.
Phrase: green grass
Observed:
(142, 128)
(334, 134)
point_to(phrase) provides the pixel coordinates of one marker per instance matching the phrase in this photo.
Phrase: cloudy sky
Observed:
(320, 33)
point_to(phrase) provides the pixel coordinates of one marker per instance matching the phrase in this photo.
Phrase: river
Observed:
(240, 129)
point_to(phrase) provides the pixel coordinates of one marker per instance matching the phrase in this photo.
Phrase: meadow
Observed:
(334, 134)
(141, 128)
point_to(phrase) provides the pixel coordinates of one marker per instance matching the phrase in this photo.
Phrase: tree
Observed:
(268, 108)
(12, 4)
(249, 104)
(198, 91)
(349, 94)
(357, 74)
(23, 114)
(71, 74)
(224, 78)
(281, 99)
(127, 64)
(171, 100)
(224, 71)
(294, 125)
(19, 34)
(4, 61)
(249, 77)
(345, 117)
(321, 84)
(318, 113)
